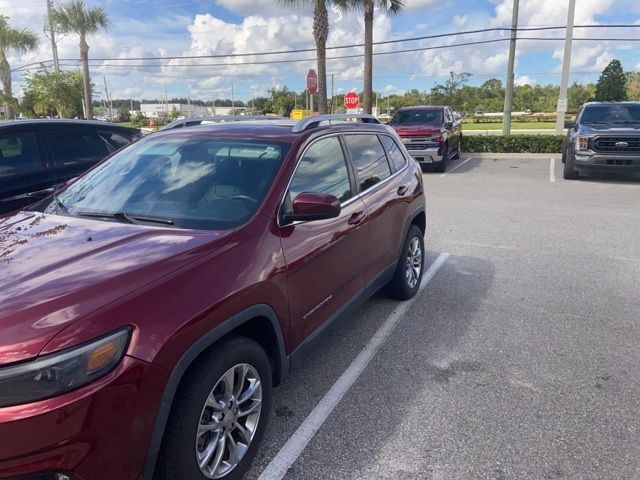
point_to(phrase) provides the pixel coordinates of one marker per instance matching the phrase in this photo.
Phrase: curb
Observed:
(541, 156)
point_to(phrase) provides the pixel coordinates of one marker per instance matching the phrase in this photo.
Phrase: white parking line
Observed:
(291, 450)
(552, 170)
(456, 167)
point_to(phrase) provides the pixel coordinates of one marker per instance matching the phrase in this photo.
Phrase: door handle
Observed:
(402, 190)
(356, 218)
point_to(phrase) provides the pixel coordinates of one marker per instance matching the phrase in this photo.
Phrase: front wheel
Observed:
(458, 150)
(408, 275)
(219, 414)
(442, 165)
(569, 173)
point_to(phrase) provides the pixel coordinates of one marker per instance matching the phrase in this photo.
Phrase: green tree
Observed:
(633, 86)
(320, 35)
(123, 113)
(389, 7)
(75, 17)
(578, 95)
(20, 40)
(612, 84)
(448, 93)
(54, 94)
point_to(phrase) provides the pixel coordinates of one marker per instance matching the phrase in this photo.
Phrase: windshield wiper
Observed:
(60, 205)
(126, 217)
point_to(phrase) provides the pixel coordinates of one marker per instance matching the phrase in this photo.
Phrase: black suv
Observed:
(604, 137)
(38, 155)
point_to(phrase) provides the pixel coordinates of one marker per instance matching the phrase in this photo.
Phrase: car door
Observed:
(385, 191)
(73, 149)
(326, 259)
(24, 178)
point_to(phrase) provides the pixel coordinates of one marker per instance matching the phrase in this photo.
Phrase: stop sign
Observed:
(312, 82)
(351, 100)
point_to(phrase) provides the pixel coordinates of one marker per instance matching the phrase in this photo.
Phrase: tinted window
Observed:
(117, 140)
(411, 117)
(394, 152)
(369, 159)
(196, 183)
(18, 154)
(74, 147)
(323, 168)
(619, 114)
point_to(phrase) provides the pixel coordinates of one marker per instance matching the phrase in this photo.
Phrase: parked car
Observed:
(181, 122)
(604, 137)
(432, 134)
(147, 309)
(38, 155)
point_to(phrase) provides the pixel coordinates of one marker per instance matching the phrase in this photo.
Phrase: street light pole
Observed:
(566, 66)
(52, 37)
(508, 97)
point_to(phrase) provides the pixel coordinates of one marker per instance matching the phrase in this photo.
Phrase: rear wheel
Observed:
(408, 275)
(219, 414)
(458, 150)
(569, 172)
(442, 165)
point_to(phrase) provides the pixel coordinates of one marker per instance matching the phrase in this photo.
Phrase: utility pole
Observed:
(508, 97)
(52, 37)
(108, 103)
(332, 78)
(253, 100)
(566, 66)
(233, 98)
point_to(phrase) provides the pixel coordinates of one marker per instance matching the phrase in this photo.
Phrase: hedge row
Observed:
(513, 143)
(516, 119)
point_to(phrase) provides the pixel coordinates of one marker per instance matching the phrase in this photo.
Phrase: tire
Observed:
(400, 287)
(442, 165)
(457, 155)
(182, 443)
(569, 173)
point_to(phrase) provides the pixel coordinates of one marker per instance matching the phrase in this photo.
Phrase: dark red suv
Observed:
(147, 309)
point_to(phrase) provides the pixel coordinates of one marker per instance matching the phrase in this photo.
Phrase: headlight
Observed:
(62, 371)
(582, 143)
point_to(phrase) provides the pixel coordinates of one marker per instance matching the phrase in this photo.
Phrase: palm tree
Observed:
(75, 17)
(21, 40)
(320, 34)
(390, 7)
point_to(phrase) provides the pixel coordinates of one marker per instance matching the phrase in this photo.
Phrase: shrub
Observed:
(513, 143)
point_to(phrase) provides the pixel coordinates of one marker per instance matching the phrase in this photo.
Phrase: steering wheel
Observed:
(246, 198)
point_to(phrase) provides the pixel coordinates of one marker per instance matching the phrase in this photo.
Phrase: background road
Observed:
(520, 359)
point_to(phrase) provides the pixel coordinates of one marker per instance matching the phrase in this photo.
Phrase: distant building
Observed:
(227, 110)
(156, 110)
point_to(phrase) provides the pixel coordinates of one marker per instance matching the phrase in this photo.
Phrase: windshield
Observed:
(616, 114)
(184, 182)
(415, 117)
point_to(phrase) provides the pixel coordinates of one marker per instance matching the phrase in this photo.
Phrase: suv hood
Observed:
(56, 269)
(411, 130)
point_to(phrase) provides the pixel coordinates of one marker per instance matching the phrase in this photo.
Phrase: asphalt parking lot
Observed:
(519, 359)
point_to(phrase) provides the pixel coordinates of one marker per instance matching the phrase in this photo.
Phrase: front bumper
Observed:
(606, 162)
(99, 432)
(426, 156)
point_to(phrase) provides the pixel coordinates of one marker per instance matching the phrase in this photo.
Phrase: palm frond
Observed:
(75, 17)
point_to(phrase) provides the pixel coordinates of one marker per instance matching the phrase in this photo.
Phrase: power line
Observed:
(356, 45)
(307, 50)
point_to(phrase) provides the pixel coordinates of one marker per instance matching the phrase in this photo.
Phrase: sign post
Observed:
(351, 100)
(312, 85)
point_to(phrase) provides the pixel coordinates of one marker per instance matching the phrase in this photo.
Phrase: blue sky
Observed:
(162, 28)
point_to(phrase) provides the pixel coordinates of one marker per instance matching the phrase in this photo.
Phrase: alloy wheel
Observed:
(228, 421)
(413, 265)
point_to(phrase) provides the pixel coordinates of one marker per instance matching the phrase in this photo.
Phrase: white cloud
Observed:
(524, 80)
(460, 20)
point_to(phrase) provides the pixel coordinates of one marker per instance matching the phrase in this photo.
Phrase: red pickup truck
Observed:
(431, 133)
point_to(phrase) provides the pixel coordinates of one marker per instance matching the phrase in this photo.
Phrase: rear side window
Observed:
(369, 159)
(76, 147)
(394, 152)
(18, 154)
(322, 169)
(117, 139)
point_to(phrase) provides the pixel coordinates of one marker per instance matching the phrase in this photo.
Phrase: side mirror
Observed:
(448, 125)
(569, 124)
(310, 206)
